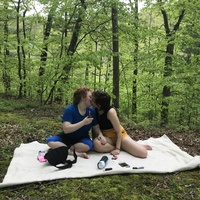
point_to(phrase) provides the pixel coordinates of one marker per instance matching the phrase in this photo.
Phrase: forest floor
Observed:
(25, 121)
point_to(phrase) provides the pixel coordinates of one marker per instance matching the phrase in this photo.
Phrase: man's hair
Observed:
(101, 98)
(79, 93)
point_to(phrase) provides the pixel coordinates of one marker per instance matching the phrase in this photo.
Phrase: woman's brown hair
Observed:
(79, 93)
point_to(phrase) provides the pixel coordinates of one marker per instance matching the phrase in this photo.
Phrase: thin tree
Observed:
(115, 42)
(18, 49)
(170, 35)
(74, 40)
(5, 75)
(135, 71)
(43, 56)
(24, 53)
(68, 51)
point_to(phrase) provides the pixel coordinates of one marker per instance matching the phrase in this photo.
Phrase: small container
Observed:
(102, 163)
(40, 156)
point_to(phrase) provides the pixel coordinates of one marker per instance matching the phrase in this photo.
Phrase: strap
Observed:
(75, 158)
(65, 166)
(68, 163)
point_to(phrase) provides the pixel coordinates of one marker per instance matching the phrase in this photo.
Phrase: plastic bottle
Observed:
(102, 163)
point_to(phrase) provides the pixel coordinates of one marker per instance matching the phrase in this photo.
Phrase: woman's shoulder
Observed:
(71, 106)
(111, 111)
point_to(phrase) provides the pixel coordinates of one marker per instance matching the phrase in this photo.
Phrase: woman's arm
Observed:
(69, 128)
(112, 116)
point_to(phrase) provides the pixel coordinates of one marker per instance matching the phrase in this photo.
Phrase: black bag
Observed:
(59, 156)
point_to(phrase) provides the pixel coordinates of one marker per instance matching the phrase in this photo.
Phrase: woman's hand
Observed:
(115, 152)
(87, 120)
(102, 139)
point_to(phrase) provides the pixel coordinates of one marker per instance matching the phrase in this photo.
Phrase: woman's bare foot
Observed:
(79, 154)
(147, 147)
(82, 155)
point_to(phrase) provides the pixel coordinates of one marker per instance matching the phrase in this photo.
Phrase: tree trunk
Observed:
(43, 56)
(5, 76)
(135, 72)
(18, 51)
(24, 55)
(170, 35)
(73, 43)
(69, 52)
(115, 57)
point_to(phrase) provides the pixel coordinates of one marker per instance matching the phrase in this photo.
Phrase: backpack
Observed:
(59, 156)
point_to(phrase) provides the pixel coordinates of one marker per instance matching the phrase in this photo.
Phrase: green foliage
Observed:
(10, 104)
(91, 62)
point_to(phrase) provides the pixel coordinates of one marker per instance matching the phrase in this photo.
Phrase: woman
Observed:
(78, 119)
(113, 137)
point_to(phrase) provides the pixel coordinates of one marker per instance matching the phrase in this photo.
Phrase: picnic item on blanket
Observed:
(124, 164)
(102, 163)
(165, 157)
(41, 157)
(58, 156)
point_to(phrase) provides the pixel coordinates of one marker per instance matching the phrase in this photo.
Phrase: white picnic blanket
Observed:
(166, 157)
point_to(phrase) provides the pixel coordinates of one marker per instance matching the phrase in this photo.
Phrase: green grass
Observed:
(20, 122)
(183, 185)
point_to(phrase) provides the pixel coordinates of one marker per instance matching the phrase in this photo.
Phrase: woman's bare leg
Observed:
(134, 148)
(81, 148)
(103, 148)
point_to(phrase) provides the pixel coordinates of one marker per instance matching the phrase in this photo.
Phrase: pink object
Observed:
(40, 156)
(115, 157)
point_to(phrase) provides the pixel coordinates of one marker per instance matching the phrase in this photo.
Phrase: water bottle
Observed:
(102, 163)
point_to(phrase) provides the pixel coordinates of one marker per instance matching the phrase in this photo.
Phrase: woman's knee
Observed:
(54, 138)
(81, 147)
(140, 153)
(88, 142)
(144, 153)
